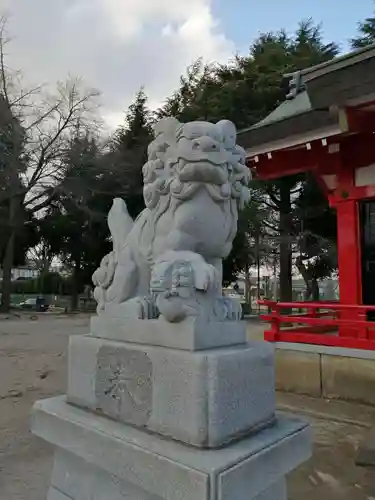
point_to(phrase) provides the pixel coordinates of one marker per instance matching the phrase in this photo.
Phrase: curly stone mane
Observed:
(195, 181)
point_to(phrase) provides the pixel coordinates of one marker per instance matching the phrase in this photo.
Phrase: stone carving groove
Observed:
(124, 384)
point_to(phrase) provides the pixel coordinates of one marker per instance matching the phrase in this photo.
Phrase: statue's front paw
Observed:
(135, 308)
(171, 308)
(205, 276)
(99, 296)
(99, 276)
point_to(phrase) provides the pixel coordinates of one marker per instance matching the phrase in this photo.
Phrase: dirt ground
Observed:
(33, 366)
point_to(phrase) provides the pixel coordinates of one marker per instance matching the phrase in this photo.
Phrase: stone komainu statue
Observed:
(169, 260)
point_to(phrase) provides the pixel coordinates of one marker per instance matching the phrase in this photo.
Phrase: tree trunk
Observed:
(308, 292)
(44, 267)
(7, 263)
(285, 245)
(258, 268)
(312, 285)
(74, 298)
(248, 289)
(275, 284)
(315, 289)
(306, 277)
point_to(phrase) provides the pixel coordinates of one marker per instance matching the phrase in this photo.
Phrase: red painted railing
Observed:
(322, 323)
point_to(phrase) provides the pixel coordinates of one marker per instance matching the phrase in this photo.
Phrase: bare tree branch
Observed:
(33, 166)
(3, 75)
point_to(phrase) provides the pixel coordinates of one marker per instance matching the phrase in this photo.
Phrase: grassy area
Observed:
(57, 300)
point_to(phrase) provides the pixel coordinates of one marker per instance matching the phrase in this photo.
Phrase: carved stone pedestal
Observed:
(171, 417)
(98, 458)
(202, 397)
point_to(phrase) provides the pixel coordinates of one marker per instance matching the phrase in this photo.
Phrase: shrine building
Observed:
(326, 126)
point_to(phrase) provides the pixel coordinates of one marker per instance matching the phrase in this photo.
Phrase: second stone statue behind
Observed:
(168, 262)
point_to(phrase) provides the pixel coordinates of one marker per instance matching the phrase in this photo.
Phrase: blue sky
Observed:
(242, 20)
(117, 46)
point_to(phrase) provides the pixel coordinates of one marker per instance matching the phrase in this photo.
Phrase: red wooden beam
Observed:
(357, 119)
(357, 150)
(336, 306)
(323, 321)
(354, 151)
(364, 105)
(349, 320)
(293, 161)
(354, 193)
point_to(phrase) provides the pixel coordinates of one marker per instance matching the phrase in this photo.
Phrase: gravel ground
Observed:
(33, 366)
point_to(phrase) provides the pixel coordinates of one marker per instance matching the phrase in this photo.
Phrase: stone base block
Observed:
(98, 458)
(298, 372)
(193, 334)
(204, 398)
(351, 379)
(81, 480)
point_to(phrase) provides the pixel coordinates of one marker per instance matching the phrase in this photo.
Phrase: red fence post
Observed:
(275, 324)
(362, 330)
(272, 317)
(321, 327)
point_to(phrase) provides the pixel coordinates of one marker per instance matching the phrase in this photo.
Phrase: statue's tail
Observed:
(120, 224)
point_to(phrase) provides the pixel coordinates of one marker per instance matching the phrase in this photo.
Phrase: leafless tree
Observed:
(40, 257)
(36, 126)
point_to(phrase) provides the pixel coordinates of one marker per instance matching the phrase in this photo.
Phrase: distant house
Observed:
(22, 273)
(328, 287)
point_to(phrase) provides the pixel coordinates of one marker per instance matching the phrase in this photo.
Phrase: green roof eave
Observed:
(287, 109)
(308, 123)
(337, 63)
(301, 103)
(333, 83)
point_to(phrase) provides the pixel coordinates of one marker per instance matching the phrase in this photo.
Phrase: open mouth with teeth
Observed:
(203, 170)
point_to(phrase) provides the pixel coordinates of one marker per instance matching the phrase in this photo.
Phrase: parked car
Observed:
(35, 304)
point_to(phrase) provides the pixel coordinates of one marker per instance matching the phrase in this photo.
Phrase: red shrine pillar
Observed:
(349, 257)
(348, 248)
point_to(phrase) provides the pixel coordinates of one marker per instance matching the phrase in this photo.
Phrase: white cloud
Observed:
(115, 45)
